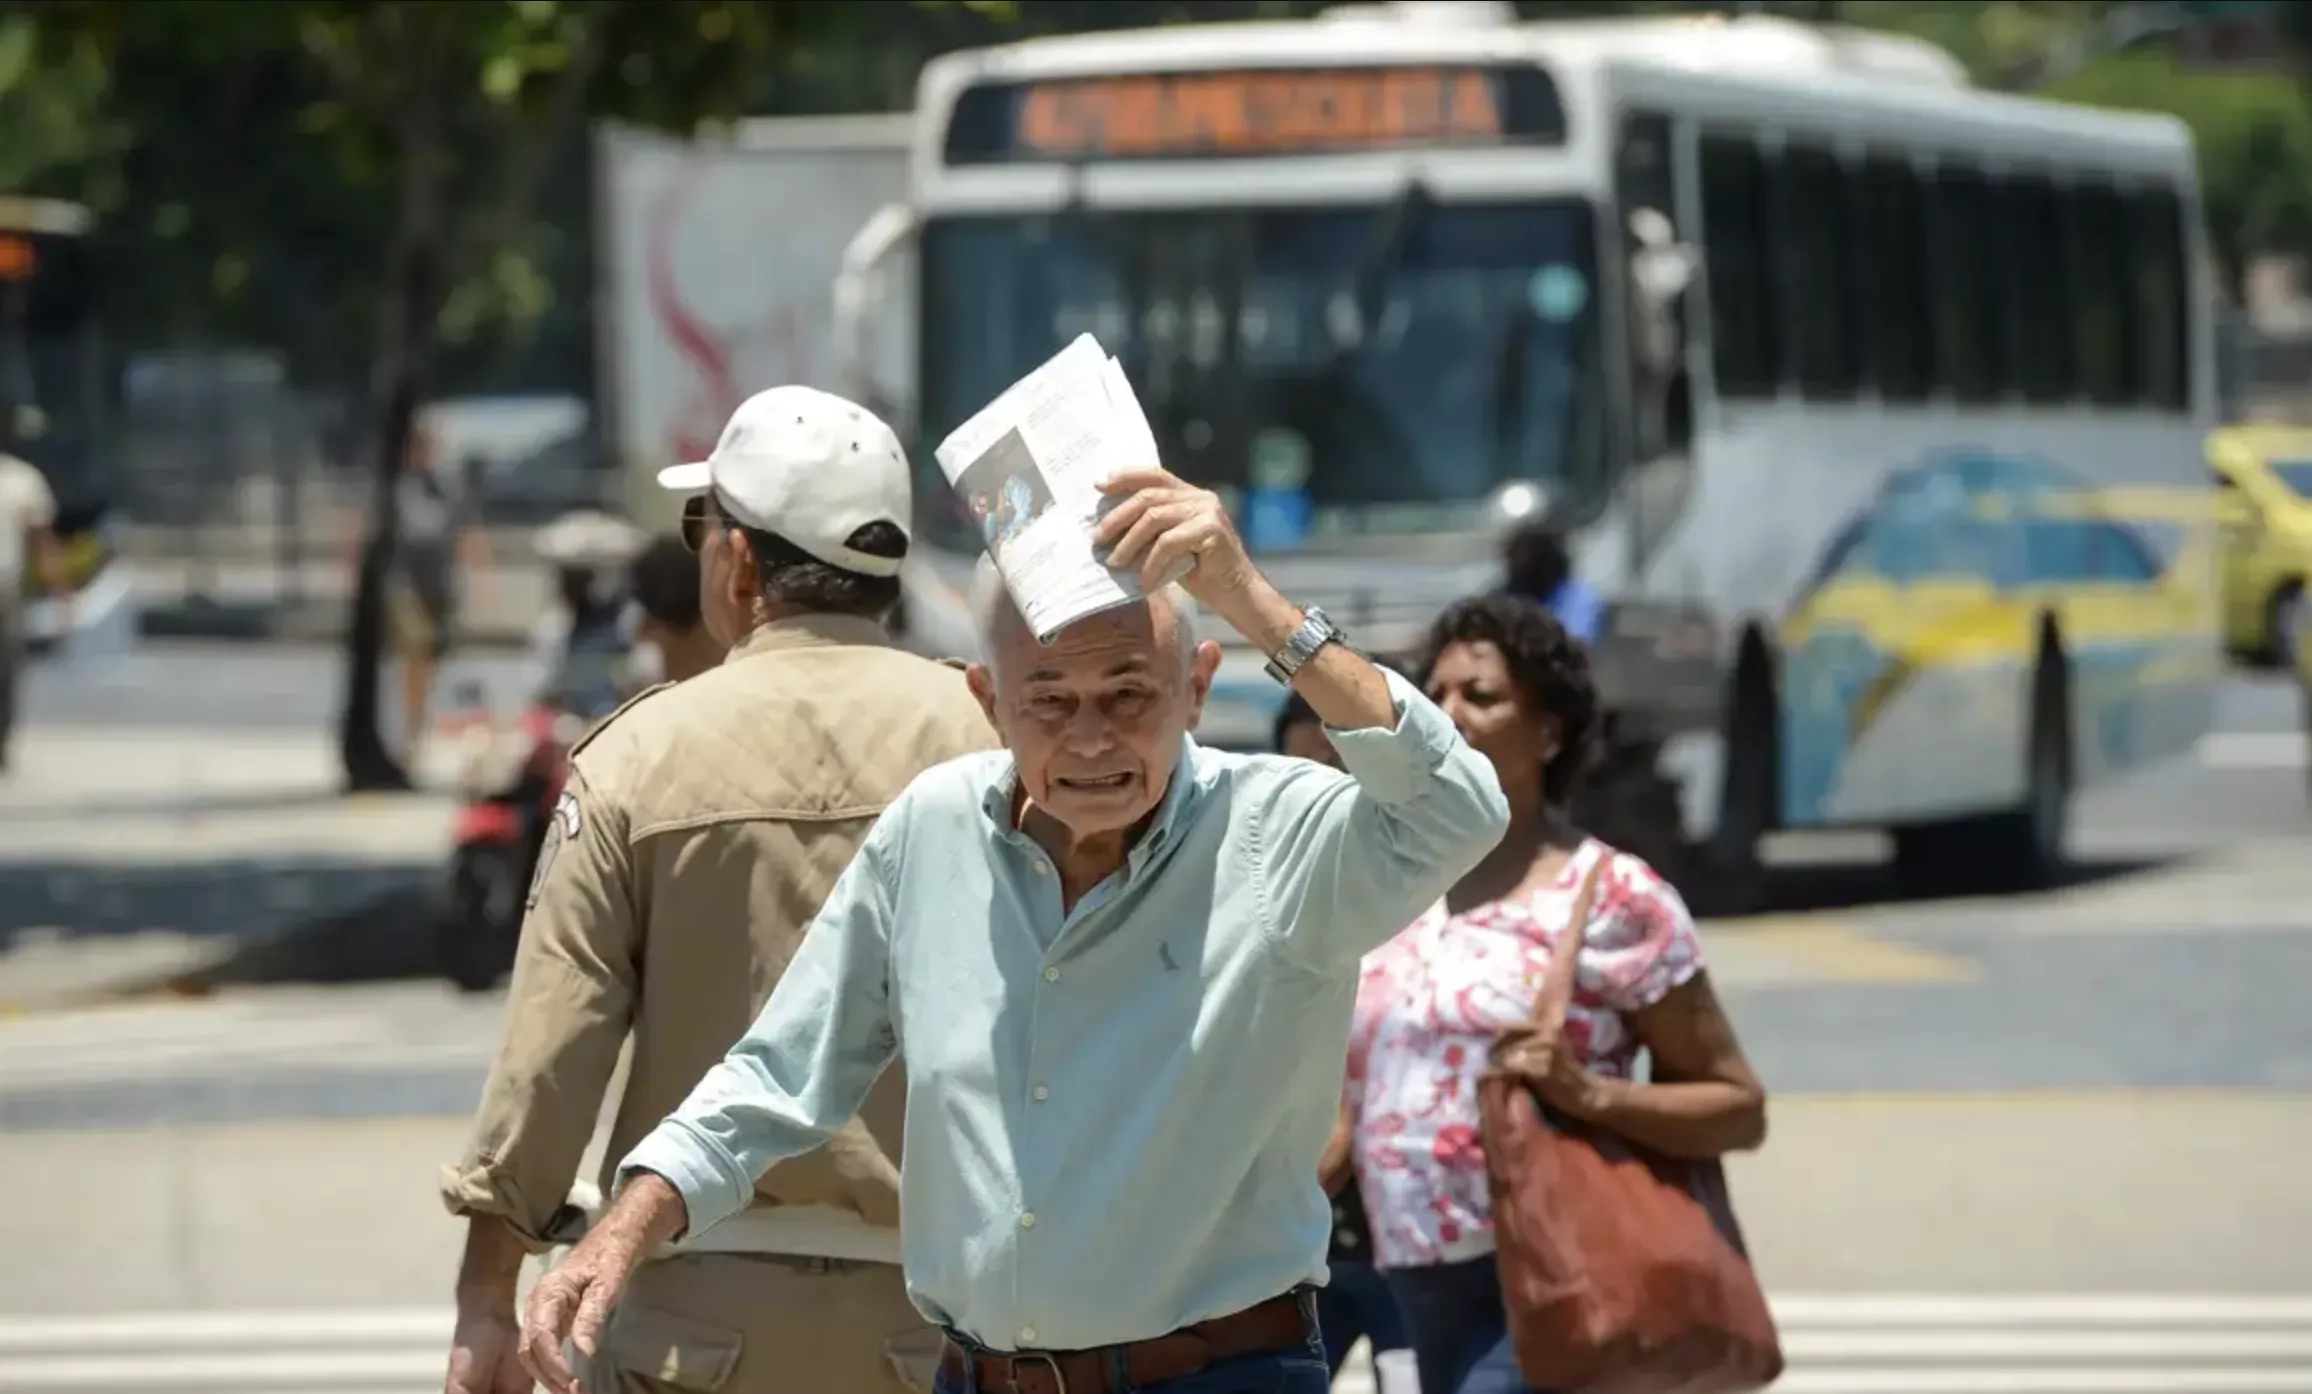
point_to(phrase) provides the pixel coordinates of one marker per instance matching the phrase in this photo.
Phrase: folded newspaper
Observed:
(1028, 468)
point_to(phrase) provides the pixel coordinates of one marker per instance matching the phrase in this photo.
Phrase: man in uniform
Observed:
(705, 822)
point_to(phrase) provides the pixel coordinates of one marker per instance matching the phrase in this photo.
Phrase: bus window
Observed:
(1901, 339)
(2045, 368)
(1968, 319)
(1820, 232)
(47, 405)
(1745, 331)
(2161, 285)
(2103, 295)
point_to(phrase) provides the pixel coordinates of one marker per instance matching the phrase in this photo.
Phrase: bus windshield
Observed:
(48, 409)
(1370, 370)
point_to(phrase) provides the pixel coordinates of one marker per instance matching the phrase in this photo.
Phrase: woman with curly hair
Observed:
(1433, 1003)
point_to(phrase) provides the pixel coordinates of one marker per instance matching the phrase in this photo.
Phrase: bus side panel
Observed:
(1910, 559)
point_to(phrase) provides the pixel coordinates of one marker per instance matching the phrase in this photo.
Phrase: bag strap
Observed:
(1557, 984)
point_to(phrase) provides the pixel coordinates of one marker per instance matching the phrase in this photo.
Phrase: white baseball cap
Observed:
(810, 467)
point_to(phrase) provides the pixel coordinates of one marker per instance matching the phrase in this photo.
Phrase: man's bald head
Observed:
(1002, 630)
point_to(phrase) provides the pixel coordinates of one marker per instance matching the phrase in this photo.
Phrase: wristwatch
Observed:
(1316, 630)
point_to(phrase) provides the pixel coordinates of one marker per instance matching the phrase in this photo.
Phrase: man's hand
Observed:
(486, 1355)
(1162, 523)
(574, 1302)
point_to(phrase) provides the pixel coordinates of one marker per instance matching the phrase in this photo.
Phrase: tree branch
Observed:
(530, 160)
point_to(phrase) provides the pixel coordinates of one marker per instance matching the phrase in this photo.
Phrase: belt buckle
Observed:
(1033, 1357)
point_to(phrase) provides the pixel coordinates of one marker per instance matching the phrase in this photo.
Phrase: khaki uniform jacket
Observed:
(703, 825)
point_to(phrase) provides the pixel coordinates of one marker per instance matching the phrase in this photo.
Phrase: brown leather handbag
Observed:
(1622, 1270)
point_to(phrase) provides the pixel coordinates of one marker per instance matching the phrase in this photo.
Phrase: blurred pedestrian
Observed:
(28, 548)
(668, 624)
(1355, 1303)
(703, 824)
(581, 647)
(437, 535)
(1459, 985)
(1538, 567)
(1121, 966)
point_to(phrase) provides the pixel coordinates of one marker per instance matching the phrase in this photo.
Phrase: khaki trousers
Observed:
(748, 1324)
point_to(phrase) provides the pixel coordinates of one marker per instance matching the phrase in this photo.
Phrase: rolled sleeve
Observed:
(801, 1071)
(567, 1013)
(1347, 861)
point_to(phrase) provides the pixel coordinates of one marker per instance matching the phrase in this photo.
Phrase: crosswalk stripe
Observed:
(1836, 1344)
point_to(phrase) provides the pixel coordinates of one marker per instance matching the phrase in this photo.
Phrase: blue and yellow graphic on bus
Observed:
(1955, 565)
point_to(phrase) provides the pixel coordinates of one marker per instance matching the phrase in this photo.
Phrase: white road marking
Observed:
(1836, 1344)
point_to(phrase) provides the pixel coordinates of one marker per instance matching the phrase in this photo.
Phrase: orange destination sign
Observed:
(18, 261)
(1259, 113)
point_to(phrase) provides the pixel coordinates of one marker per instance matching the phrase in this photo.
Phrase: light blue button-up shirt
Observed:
(1114, 1113)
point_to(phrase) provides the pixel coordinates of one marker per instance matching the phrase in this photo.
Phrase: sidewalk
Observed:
(129, 858)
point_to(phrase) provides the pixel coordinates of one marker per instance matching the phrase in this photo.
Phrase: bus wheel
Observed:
(2019, 849)
(1729, 866)
(1629, 804)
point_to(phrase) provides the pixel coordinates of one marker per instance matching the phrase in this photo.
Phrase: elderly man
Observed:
(703, 825)
(1120, 968)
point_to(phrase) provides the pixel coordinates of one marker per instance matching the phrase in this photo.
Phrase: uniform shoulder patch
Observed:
(622, 709)
(563, 826)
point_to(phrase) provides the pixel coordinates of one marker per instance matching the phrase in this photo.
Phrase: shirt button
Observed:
(1043, 868)
(1028, 1221)
(1043, 1092)
(1027, 1337)
(1051, 975)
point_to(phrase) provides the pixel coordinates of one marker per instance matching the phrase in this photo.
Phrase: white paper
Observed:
(1028, 468)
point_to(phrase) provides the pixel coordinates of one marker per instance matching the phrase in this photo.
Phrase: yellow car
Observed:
(2263, 477)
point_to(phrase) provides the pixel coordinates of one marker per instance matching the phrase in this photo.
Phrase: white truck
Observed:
(718, 261)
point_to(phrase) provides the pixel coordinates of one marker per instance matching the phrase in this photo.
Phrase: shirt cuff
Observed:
(712, 1184)
(471, 1189)
(1395, 764)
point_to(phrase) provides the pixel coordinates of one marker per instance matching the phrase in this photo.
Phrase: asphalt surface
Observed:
(2101, 1095)
(167, 684)
(2177, 960)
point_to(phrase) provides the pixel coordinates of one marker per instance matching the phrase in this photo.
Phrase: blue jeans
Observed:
(1460, 1332)
(1300, 1370)
(1357, 1302)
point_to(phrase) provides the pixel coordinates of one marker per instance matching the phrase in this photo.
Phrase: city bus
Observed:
(52, 408)
(1787, 330)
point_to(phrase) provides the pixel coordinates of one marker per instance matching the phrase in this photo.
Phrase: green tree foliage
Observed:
(350, 172)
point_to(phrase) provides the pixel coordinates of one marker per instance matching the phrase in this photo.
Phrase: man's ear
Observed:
(982, 685)
(1203, 666)
(746, 583)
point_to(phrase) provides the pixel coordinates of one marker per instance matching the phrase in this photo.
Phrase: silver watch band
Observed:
(1316, 630)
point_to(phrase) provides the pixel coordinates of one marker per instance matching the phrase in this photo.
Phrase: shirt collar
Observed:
(810, 632)
(1180, 795)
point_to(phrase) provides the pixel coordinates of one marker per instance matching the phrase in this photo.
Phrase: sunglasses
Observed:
(699, 516)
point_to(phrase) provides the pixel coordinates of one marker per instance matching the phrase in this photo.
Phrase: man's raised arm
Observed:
(1345, 863)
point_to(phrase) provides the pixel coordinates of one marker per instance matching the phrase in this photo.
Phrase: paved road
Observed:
(178, 685)
(2095, 1093)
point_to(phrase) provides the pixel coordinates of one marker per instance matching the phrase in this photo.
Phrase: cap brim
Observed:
(686, 479)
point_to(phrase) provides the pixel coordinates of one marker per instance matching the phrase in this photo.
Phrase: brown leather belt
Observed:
(1278, 1324)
